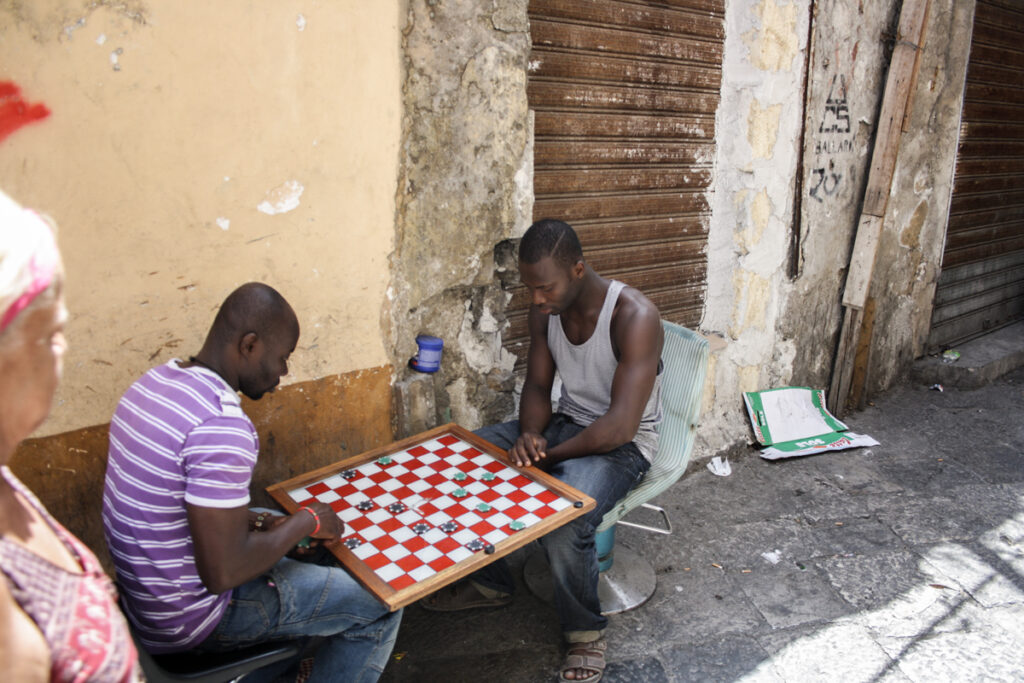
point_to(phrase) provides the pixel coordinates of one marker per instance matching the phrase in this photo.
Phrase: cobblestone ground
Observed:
(902, 562)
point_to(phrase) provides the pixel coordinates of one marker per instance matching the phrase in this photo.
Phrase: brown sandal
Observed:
(586, 656)
(460, 596)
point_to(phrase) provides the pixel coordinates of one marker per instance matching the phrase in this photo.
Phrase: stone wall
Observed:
(465, 186)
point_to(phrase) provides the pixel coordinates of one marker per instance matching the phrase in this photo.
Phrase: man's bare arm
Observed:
(535, 401)
(637, 332)
(228, 554)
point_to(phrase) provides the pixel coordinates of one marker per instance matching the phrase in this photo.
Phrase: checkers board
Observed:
(431, 509)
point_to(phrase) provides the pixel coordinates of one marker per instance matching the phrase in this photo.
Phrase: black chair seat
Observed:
(213, 667)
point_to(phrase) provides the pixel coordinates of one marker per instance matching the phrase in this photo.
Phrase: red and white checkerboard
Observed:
(414, 514)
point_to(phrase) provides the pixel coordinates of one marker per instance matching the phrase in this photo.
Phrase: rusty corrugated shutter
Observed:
(981, 286)
(624, 95)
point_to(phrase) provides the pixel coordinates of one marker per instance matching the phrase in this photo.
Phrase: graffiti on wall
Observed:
(15, 112)
(835, 136)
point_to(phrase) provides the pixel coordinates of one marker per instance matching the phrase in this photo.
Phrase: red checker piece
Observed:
(448, 439)
(417, 450)
(409, 562)
(401, 581)
(447, 544)
(442, 562)
(318, 488)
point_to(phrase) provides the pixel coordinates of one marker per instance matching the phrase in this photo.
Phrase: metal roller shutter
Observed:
(981, 286)
(624, 95)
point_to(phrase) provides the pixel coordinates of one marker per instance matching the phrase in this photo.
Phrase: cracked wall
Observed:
(769, 329)
(465, 186)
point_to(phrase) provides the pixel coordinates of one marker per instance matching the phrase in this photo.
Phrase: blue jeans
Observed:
(606, 478)
(300, 600)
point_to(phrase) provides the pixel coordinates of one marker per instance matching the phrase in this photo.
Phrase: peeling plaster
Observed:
(776, 44)
(754, 291)
(760, 214)
(763, 129)
(282, 199)
(910, 236)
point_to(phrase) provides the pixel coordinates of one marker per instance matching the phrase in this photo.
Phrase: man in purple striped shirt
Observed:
(199, 570)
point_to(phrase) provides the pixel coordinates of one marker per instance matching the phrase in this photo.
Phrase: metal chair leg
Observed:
(622, 585)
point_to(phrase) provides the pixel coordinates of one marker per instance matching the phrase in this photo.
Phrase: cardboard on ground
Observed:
(792, 421)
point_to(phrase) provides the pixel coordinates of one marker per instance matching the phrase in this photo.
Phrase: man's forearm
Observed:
(534, 410)
(601, 436)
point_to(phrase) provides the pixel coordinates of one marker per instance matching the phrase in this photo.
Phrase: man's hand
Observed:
(529, 449)
(331, 526)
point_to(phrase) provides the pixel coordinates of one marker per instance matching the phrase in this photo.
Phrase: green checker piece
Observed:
(488, 476)
(384, 460)
(483, 507)
(460, 493)
(516, 525)
(460, 476)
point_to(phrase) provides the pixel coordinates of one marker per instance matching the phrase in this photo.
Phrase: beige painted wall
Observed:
(171, 123)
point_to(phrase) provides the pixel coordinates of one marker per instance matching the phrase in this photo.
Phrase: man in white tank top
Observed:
(604, 339)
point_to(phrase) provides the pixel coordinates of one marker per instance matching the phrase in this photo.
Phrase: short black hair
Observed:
(549, 237)
(253, 307)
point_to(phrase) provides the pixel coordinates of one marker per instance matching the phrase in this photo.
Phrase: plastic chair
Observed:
(219, 667)
(627, 580)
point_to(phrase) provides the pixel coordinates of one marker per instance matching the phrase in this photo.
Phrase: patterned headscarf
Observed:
(29, 259)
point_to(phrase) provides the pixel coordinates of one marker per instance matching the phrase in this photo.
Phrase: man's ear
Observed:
(247, 344)
(578, 269)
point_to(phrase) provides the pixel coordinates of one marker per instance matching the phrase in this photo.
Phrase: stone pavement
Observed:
(903, 562)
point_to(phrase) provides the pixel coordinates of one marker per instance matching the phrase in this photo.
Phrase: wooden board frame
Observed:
(396, 599)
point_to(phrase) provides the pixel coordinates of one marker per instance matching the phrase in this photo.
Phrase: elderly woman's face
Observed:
(33, 367)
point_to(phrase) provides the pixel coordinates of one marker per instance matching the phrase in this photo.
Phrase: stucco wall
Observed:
(759, 122)
(171, 126)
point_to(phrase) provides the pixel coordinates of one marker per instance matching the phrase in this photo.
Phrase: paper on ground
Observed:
(794, 421)
(720, 467)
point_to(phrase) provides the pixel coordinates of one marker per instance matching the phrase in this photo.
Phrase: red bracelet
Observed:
(316, 517)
